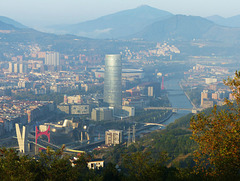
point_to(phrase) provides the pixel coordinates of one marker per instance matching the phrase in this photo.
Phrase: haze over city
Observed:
(119, 90)
(39, 13)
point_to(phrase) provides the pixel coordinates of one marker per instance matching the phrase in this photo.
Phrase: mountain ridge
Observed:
(12, 22)
(233, 22)
(118, 24)
(179, 27)
(5, 26)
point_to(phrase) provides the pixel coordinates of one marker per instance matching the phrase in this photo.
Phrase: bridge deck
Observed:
(173, 108)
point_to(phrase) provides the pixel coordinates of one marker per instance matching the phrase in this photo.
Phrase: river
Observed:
(177, 98)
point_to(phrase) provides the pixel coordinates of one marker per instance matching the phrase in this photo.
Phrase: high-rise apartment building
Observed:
(204, 95)
(52, 58)
(11, 67)
(113, 137)
(16, 68)
(23, 68)
(113, 81)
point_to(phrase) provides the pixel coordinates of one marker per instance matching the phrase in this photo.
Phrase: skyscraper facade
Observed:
(113, 81)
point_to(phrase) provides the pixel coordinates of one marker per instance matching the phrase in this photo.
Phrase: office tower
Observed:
(52, 58)
(113, 81)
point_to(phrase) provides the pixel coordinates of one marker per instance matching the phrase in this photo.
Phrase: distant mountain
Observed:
(188, 28)
(116, 25)
(217, 19)
(178, 27)
(233, 21)
(5, 26)
(213, 38)
(11, 22)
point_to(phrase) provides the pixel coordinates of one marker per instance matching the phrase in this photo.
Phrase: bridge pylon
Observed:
(22, 138)
(39, 133)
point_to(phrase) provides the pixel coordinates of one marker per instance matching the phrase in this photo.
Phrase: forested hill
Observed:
(175, 140)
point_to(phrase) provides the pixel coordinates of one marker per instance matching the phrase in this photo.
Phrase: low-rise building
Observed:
(95, 164)
(74, 109)
(103, 113)
(130, 110)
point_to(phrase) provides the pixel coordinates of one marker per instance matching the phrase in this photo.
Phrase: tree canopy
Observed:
(218, 137)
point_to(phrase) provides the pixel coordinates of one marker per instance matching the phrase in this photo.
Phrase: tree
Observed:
(14, 167)
(55, 166)
(110, 172)
(141, 166)
(218, 137)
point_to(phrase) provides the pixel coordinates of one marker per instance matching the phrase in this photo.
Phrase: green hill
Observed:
(11, 22)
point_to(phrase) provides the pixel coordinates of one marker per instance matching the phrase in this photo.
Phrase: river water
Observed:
(177, 98)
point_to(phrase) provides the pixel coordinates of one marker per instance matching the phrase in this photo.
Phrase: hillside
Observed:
(233, 21)
(5, 26)
(189, 28)
(175, 140)
(179, 27)
(116, 25)
(11, 22)
(16, 41)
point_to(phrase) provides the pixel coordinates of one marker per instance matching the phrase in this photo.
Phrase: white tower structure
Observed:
(22, 138)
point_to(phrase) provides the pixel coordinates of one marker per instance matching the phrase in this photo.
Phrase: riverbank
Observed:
(194, 106)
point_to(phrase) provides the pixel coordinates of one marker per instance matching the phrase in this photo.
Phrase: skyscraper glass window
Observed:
(113, 81)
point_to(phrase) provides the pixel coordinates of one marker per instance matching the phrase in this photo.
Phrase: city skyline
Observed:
(52, 12)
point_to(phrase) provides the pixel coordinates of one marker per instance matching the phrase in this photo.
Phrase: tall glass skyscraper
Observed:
(113, 81)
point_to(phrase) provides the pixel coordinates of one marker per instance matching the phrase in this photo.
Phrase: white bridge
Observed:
(154, 124)
(174, 109)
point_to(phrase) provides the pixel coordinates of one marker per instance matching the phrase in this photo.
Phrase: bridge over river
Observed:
(174, 109)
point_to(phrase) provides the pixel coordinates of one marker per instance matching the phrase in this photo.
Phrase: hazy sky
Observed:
(46, 12)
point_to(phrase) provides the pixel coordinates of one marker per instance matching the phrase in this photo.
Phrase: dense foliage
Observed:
(174, 140)
(218, 138)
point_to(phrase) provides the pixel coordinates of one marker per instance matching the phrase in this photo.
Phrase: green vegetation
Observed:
(150, 116)
(157, 156)
(194, 94)
(56, 97)
(175, 140)
(218, 137)
(153, 116)
(55, 166)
